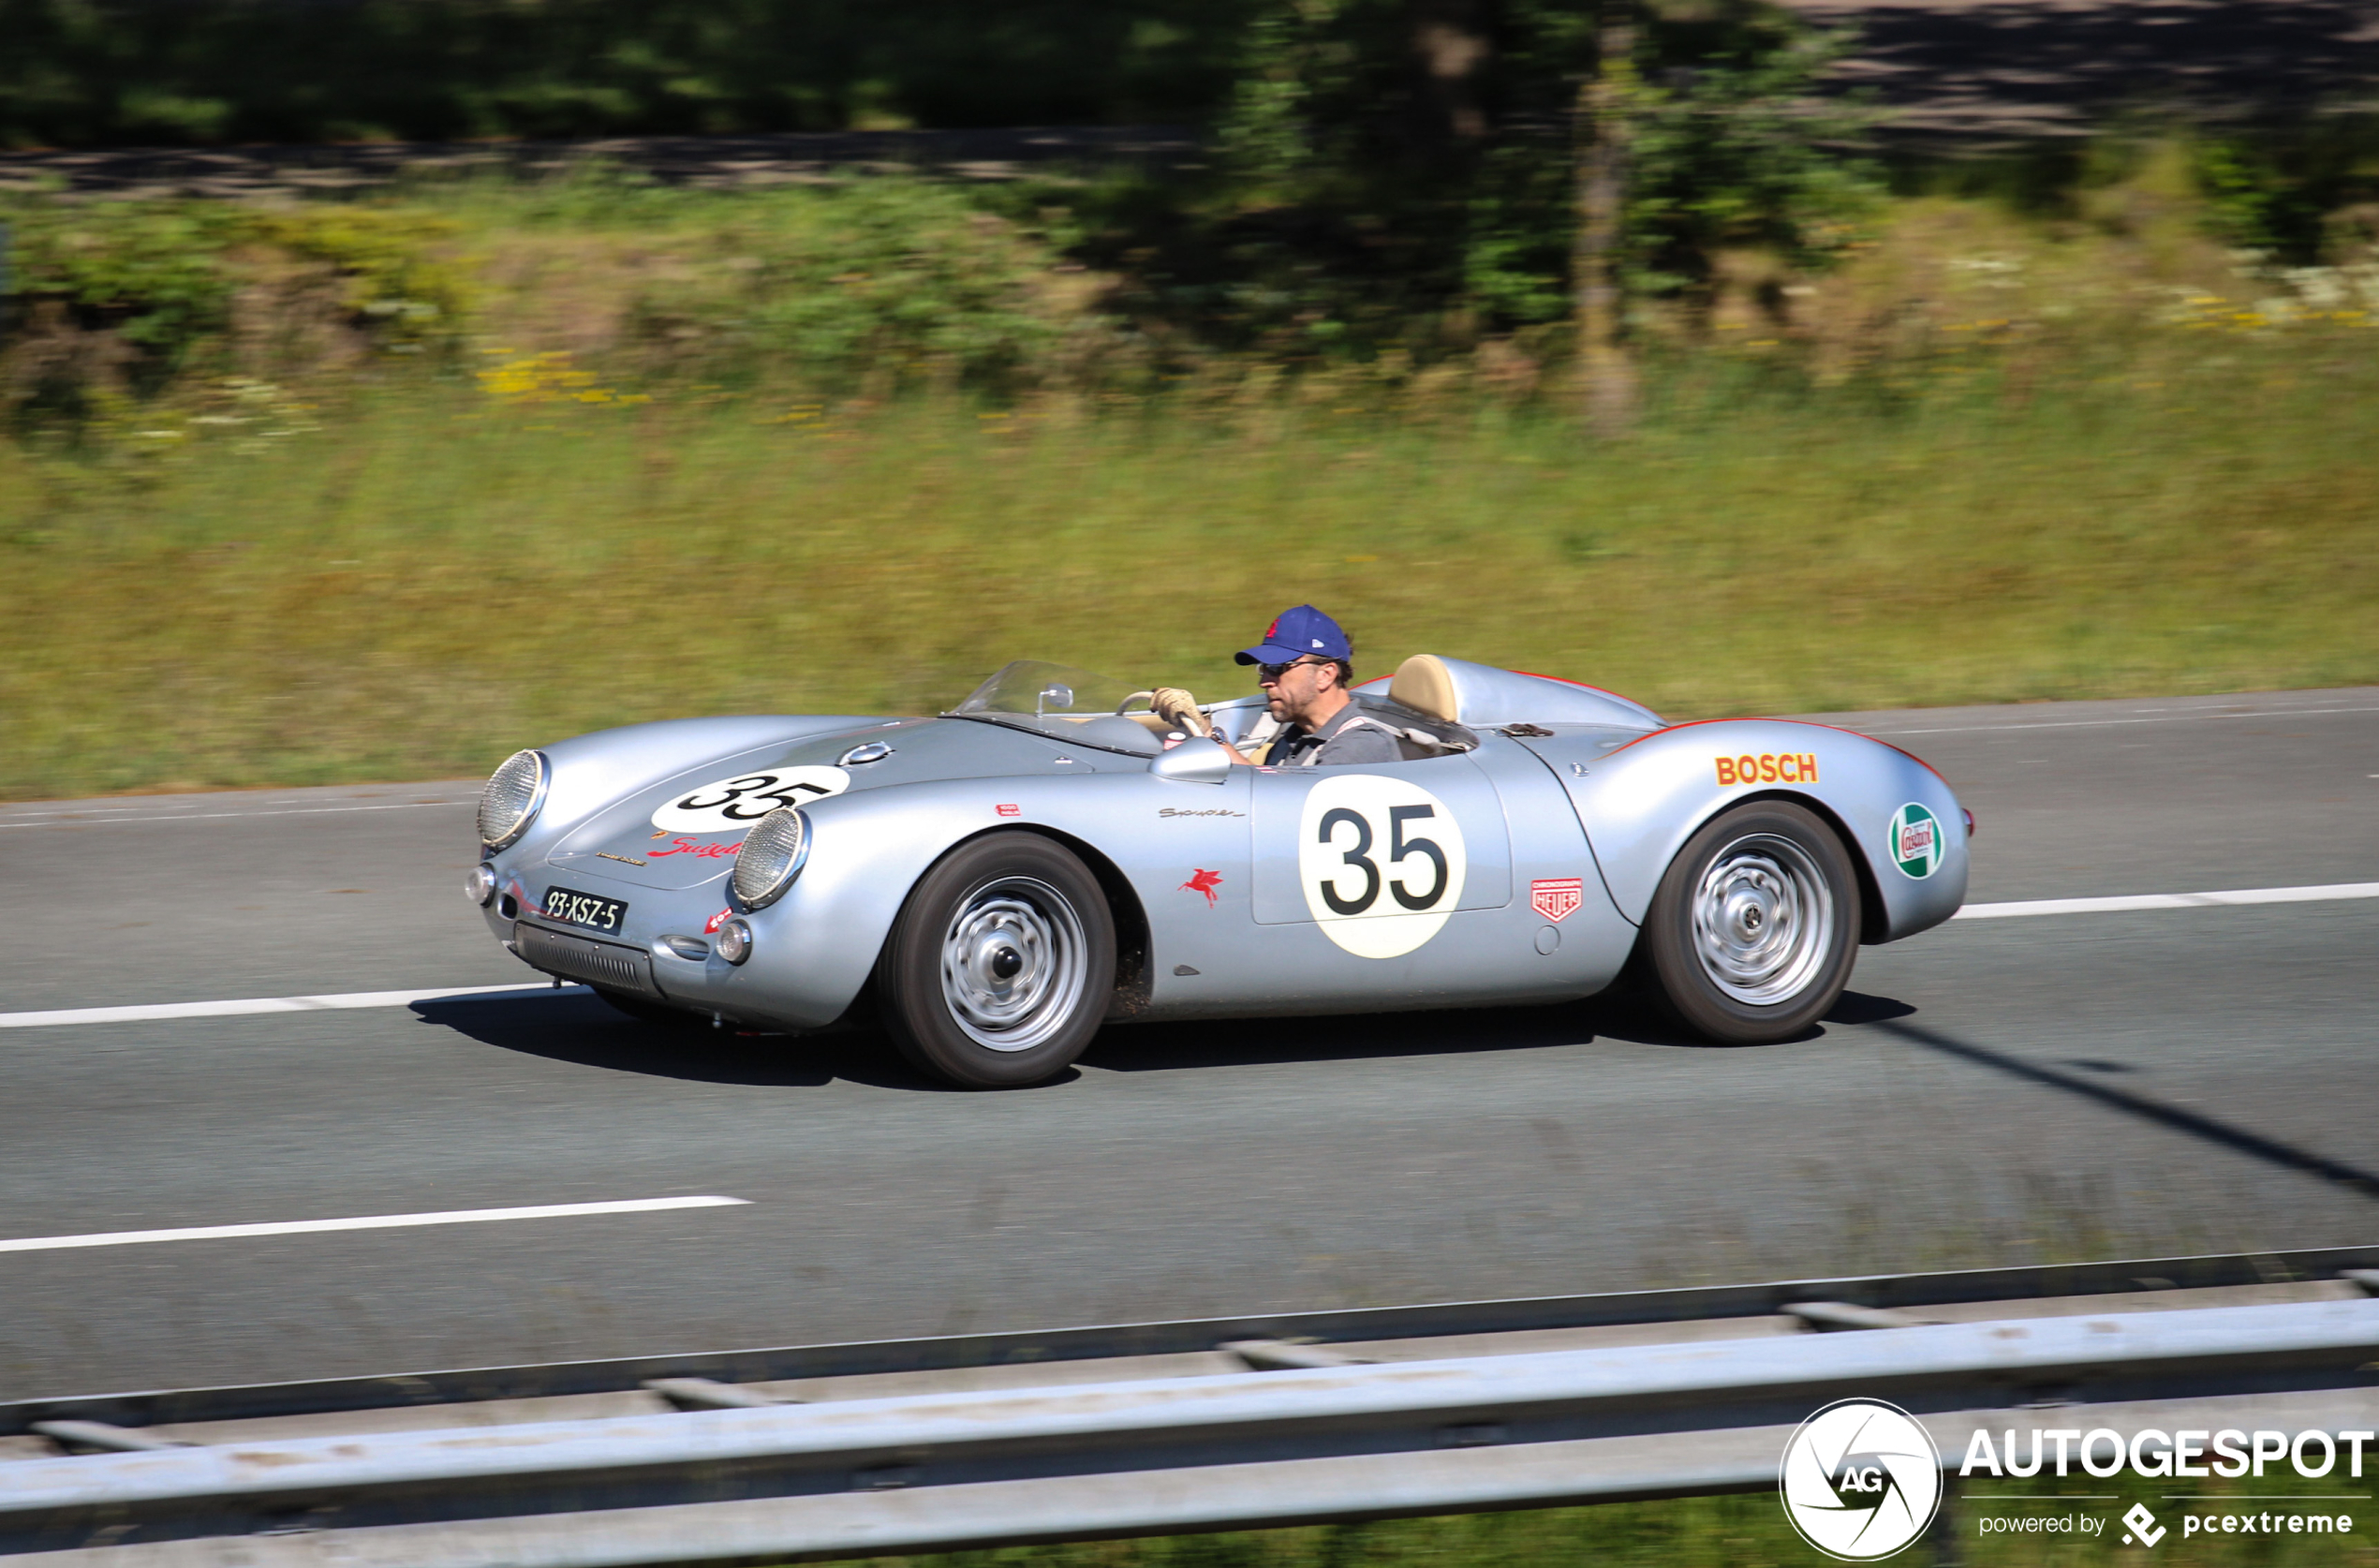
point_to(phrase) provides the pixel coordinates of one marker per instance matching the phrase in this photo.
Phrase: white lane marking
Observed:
(112, 820)
(360, 1223)
(264, 1004)
(2170, 901)
(401, 998)
(2095, 723)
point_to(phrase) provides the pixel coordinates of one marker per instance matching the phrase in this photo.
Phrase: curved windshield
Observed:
(1065, 704)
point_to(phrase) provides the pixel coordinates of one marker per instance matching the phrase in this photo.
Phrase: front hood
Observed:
(684, 831)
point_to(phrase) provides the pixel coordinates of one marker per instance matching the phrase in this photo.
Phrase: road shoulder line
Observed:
(337, 1002)
(2166, 901)
(362, 1223)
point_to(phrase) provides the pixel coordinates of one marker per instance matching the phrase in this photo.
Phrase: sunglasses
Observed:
(1274, 672)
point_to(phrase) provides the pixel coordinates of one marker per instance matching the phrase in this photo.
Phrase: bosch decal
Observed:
(1769, 767)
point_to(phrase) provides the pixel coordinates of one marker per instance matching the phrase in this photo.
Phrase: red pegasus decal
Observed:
(1203, 882)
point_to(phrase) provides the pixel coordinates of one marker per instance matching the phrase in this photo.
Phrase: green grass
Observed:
(1745, 1532)
(414, 581)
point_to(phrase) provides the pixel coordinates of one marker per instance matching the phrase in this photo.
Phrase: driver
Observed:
(1304, 666)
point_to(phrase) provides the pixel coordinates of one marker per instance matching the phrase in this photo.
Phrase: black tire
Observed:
(1753, 929)
(1001, 965)
(645, 1010)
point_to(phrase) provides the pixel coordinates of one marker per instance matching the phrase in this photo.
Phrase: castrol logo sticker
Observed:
(1769, 767)
(1916, 841)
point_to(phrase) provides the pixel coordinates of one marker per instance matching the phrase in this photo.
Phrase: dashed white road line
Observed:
(91, 818)
(2170, 901)
(149, 1012)
(161, 1011)
(360, 1223)
(2098, 723)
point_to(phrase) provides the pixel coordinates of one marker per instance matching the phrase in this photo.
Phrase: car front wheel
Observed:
(1001, 964)
(1753, 930)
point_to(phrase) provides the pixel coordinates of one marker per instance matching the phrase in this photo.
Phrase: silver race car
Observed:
(998, 883)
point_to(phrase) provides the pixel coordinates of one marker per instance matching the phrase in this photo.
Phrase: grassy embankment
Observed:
(1994, 459)
(419, 585)
(1746, 1532)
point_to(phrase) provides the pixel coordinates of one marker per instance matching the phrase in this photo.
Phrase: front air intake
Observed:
(606, 964)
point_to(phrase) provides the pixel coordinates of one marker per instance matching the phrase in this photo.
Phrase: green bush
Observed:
(154, 274)
(110, 297)
(393, 280)
(879, 283)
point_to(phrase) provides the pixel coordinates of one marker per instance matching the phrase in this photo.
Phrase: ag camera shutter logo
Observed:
(1860, 1479)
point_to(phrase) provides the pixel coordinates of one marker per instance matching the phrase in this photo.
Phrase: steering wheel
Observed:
(1135, 697)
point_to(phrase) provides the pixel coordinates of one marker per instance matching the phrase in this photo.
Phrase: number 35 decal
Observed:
(732, 805)
(1382, 860)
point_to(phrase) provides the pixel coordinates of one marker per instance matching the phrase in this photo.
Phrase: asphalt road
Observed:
(1994, 1091)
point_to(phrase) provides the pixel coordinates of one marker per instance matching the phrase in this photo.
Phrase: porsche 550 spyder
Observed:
(998, 882)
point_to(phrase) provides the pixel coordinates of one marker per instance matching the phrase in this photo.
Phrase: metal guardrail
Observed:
(1906, 1293)
(733, 1473)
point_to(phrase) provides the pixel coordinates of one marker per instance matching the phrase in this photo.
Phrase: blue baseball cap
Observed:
(1296, 633)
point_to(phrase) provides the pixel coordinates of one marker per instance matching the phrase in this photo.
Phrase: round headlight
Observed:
(772, 857)
(512, 797)
(735, 942)
(480, 886)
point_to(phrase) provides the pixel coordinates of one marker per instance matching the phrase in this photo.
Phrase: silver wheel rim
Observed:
(1014, 964)
(1763, 920)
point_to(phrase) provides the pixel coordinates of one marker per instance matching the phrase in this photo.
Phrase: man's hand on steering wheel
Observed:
(1179, 709)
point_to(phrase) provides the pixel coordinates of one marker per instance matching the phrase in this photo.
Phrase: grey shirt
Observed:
(1347, 736)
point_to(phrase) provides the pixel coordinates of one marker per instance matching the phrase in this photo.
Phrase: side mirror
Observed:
(1195, 761)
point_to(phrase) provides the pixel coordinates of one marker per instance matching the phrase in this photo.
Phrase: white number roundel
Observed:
(1382, 860)
(732, 805)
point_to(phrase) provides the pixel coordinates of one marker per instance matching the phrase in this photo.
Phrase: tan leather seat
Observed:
(1425, 685)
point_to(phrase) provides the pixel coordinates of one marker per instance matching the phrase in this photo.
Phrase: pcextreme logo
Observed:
(1860, 1479)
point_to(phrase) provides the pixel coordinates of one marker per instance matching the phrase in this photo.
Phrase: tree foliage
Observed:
(1438, 140)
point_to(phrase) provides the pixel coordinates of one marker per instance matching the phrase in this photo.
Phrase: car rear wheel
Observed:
(1753, 930)
(1000, 969)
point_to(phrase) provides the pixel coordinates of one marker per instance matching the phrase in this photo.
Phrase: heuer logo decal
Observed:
(1769, 767)
(1557, 899)
(1009, 810)
(1916, 841)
